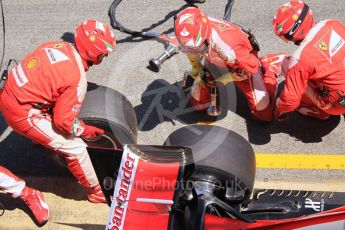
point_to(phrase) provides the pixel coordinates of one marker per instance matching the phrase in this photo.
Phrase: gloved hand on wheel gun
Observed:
(91, 132)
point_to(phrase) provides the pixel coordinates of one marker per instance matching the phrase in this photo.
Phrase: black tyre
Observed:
(107, 109)
(110, 110)
(222, 157)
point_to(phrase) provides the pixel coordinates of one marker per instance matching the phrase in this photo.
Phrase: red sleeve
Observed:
(247, 61)
(66, 110)
(296, 81)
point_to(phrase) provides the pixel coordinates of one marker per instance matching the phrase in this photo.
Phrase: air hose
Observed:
(171, 49)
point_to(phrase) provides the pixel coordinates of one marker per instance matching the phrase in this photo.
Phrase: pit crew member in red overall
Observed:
(207, 40)
(315, 73)
(43, 95)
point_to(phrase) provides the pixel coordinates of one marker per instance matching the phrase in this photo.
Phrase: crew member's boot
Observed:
(34, 199)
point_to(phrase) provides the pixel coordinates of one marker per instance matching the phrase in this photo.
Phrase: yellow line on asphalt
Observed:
(300, 161)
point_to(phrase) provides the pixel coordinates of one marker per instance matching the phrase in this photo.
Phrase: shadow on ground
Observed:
(34, 164)
(302, 128)
(84, 226)
(165, 102)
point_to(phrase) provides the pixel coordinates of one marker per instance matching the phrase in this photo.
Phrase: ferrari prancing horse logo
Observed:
(222, 27)
(57, 46)
(322, 45)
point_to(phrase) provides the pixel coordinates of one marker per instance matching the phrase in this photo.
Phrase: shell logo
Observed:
(32, 63)
(92, 38)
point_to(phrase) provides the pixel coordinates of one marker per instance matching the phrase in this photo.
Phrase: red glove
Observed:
(91, 132)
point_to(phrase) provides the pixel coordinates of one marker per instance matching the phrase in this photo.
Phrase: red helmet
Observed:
(293, 21)
(191, 28)
(93, 39)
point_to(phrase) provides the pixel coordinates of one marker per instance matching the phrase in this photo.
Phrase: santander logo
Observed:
(122, 191)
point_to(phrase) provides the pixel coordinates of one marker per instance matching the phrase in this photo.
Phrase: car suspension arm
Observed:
(199, 209)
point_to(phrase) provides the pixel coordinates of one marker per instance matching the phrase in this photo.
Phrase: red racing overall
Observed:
(230, 49)
(315, 79)
(41, 101)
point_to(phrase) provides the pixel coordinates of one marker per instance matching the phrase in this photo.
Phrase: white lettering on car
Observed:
(317, 206)
(122, 191)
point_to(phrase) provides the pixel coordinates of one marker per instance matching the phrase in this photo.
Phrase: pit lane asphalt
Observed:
(154, 97)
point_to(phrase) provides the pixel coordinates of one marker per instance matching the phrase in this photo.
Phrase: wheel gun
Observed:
(171, 49)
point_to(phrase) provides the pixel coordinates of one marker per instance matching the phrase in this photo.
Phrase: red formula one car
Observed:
(202, 177)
